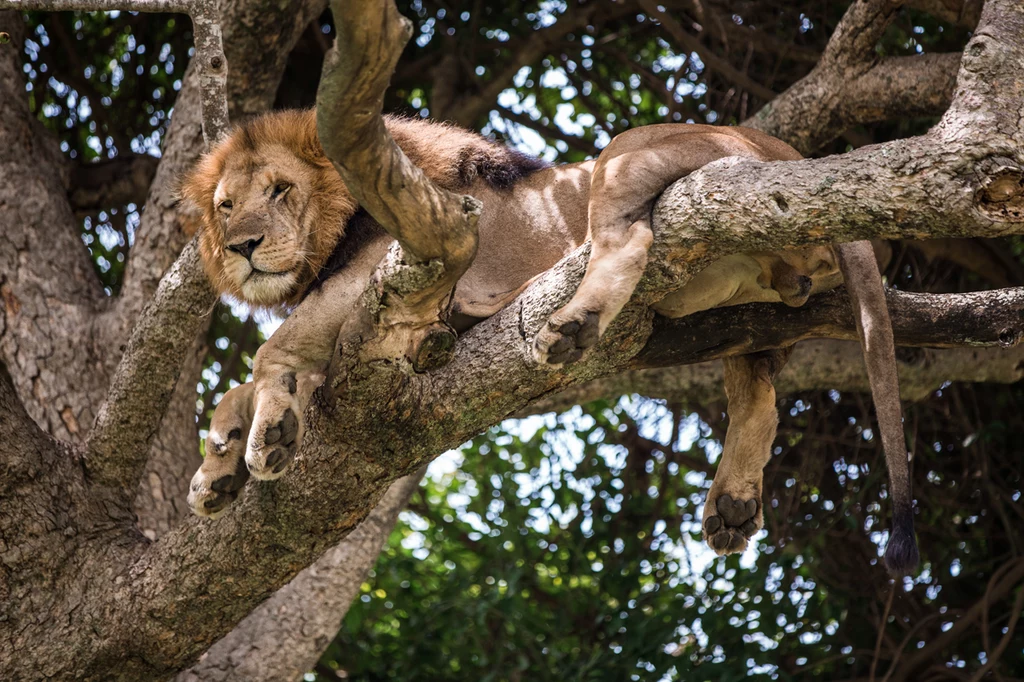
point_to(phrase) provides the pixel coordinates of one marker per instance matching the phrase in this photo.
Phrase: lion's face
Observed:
(271, 210)
(263, 217)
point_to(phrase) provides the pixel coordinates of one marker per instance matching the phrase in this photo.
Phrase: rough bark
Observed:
(816, 365)
(850, 85)
(121, 607)
(285, 636)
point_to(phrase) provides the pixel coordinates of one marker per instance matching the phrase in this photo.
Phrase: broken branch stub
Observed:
(410, 295)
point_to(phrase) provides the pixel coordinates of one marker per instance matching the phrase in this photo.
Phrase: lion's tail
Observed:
(864, 284)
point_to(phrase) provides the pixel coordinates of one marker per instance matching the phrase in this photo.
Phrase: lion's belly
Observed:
(523, 232)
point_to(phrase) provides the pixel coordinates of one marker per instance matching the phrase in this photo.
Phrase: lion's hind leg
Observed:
(612, 275)
(631, 173)
(224, 473)
(623, 187)
(733, 509)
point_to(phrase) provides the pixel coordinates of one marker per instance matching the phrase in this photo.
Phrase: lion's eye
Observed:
(279, 189)
(226, 205)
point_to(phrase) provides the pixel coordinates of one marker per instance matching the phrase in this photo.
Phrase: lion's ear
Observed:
(188, 212)
(190, 221)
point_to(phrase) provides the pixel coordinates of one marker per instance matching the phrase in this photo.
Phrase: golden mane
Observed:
(331, 202)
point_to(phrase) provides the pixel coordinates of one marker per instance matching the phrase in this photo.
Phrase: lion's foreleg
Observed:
(733, 509)
(223, 473)
(287, 369)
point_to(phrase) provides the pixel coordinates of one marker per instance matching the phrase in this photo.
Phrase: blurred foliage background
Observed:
(567, 547)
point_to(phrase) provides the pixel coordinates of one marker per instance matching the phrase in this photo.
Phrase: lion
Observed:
(279, 231)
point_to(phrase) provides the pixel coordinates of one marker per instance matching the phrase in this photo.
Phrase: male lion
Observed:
(278, 227)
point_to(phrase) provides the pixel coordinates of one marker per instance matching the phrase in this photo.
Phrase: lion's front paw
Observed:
(275, 436)
(732, 523)
(565, 336)
(221, 477)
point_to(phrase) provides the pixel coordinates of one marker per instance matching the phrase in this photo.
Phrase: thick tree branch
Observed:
(49, 288)
(987, 318)
(824, 107)
(850, 86)
(14, 424)
(285, 636)
(141, 388)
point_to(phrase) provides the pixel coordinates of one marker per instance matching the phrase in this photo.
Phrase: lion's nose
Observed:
(246, 248)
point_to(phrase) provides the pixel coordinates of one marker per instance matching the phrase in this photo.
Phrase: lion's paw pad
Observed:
(280, 443)
(736, 522)
(211, 490)
(564, 343)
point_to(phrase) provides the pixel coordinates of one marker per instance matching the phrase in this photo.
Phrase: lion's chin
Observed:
(268, 289)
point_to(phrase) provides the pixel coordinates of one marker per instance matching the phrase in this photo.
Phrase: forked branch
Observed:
(851, 86)
(144, 380)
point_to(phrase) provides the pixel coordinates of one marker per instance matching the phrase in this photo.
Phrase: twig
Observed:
(710, 59)
(881, 630)
(993, 657)
(922, 657)
(577, 143)
(906, 640)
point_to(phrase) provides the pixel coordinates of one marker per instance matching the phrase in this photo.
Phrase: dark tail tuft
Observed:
(901, 555)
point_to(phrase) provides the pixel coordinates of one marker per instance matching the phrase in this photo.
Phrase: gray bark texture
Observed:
(285, 636)
(101, 575)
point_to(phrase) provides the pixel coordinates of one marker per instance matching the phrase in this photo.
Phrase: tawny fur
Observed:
(272, 210)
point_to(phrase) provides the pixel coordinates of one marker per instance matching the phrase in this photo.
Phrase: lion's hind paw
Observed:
(563, 342)
(735, 522)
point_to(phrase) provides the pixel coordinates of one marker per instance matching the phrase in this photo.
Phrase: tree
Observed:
(97, 394)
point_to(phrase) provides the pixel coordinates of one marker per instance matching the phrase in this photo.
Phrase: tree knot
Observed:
(1000, 195)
